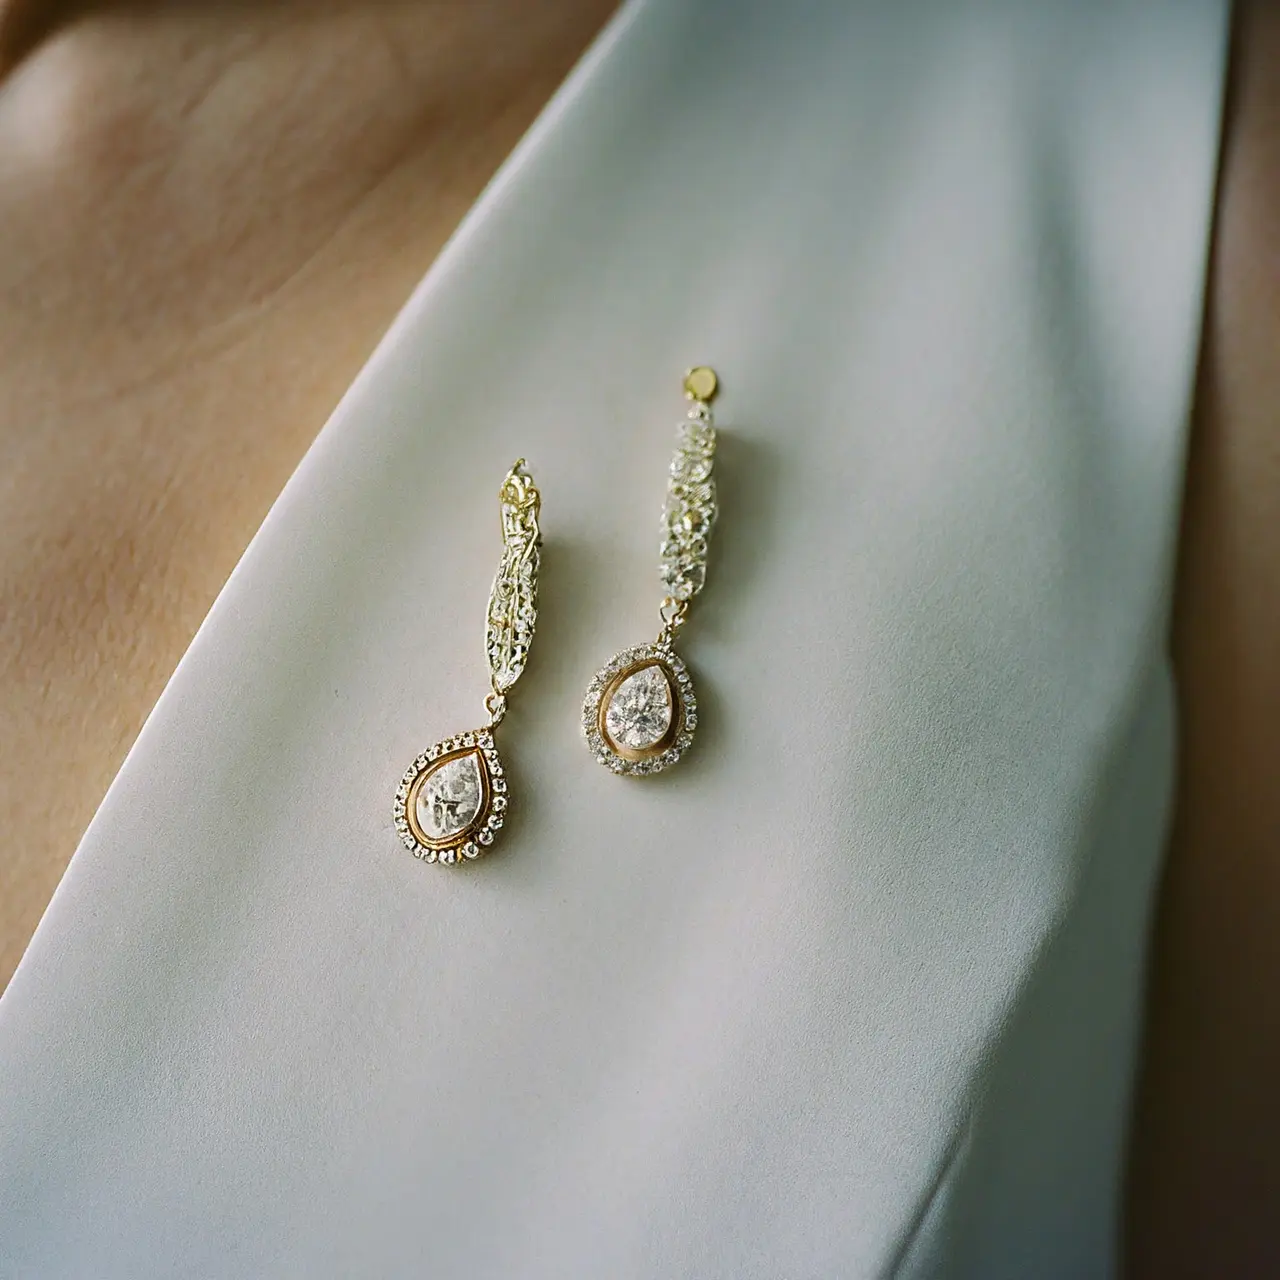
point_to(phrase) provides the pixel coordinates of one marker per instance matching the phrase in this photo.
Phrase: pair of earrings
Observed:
(639, 714)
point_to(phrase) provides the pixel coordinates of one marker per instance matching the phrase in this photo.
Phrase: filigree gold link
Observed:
(513, 602)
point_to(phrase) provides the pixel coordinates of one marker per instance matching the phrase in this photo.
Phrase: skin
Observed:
(1205, 1184)
(208, 215)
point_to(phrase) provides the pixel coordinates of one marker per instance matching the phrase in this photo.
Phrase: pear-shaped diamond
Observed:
(450, 796)
(640, 709)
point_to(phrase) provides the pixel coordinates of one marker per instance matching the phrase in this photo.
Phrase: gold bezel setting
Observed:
(684, 712)
(479, 834)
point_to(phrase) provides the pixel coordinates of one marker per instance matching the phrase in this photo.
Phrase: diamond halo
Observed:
(452, 800)
(658, 752)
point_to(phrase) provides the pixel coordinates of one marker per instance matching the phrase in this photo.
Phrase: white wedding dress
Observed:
(854, 991)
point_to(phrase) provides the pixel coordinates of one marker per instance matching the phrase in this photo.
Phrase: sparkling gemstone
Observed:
(683, 585)
(692, 470)
(697, 437)
(697, 494)
(450, 796)
(639, 712)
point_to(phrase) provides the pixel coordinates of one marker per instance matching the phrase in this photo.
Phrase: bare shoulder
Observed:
(1206, 1155)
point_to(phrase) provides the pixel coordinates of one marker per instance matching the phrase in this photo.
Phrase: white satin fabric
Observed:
(853, 991)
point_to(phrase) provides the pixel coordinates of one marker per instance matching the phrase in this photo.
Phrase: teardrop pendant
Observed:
(640, 711)
(452, 800)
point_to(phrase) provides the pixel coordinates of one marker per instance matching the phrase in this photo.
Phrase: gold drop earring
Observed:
(640, 711)
(452, 800)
